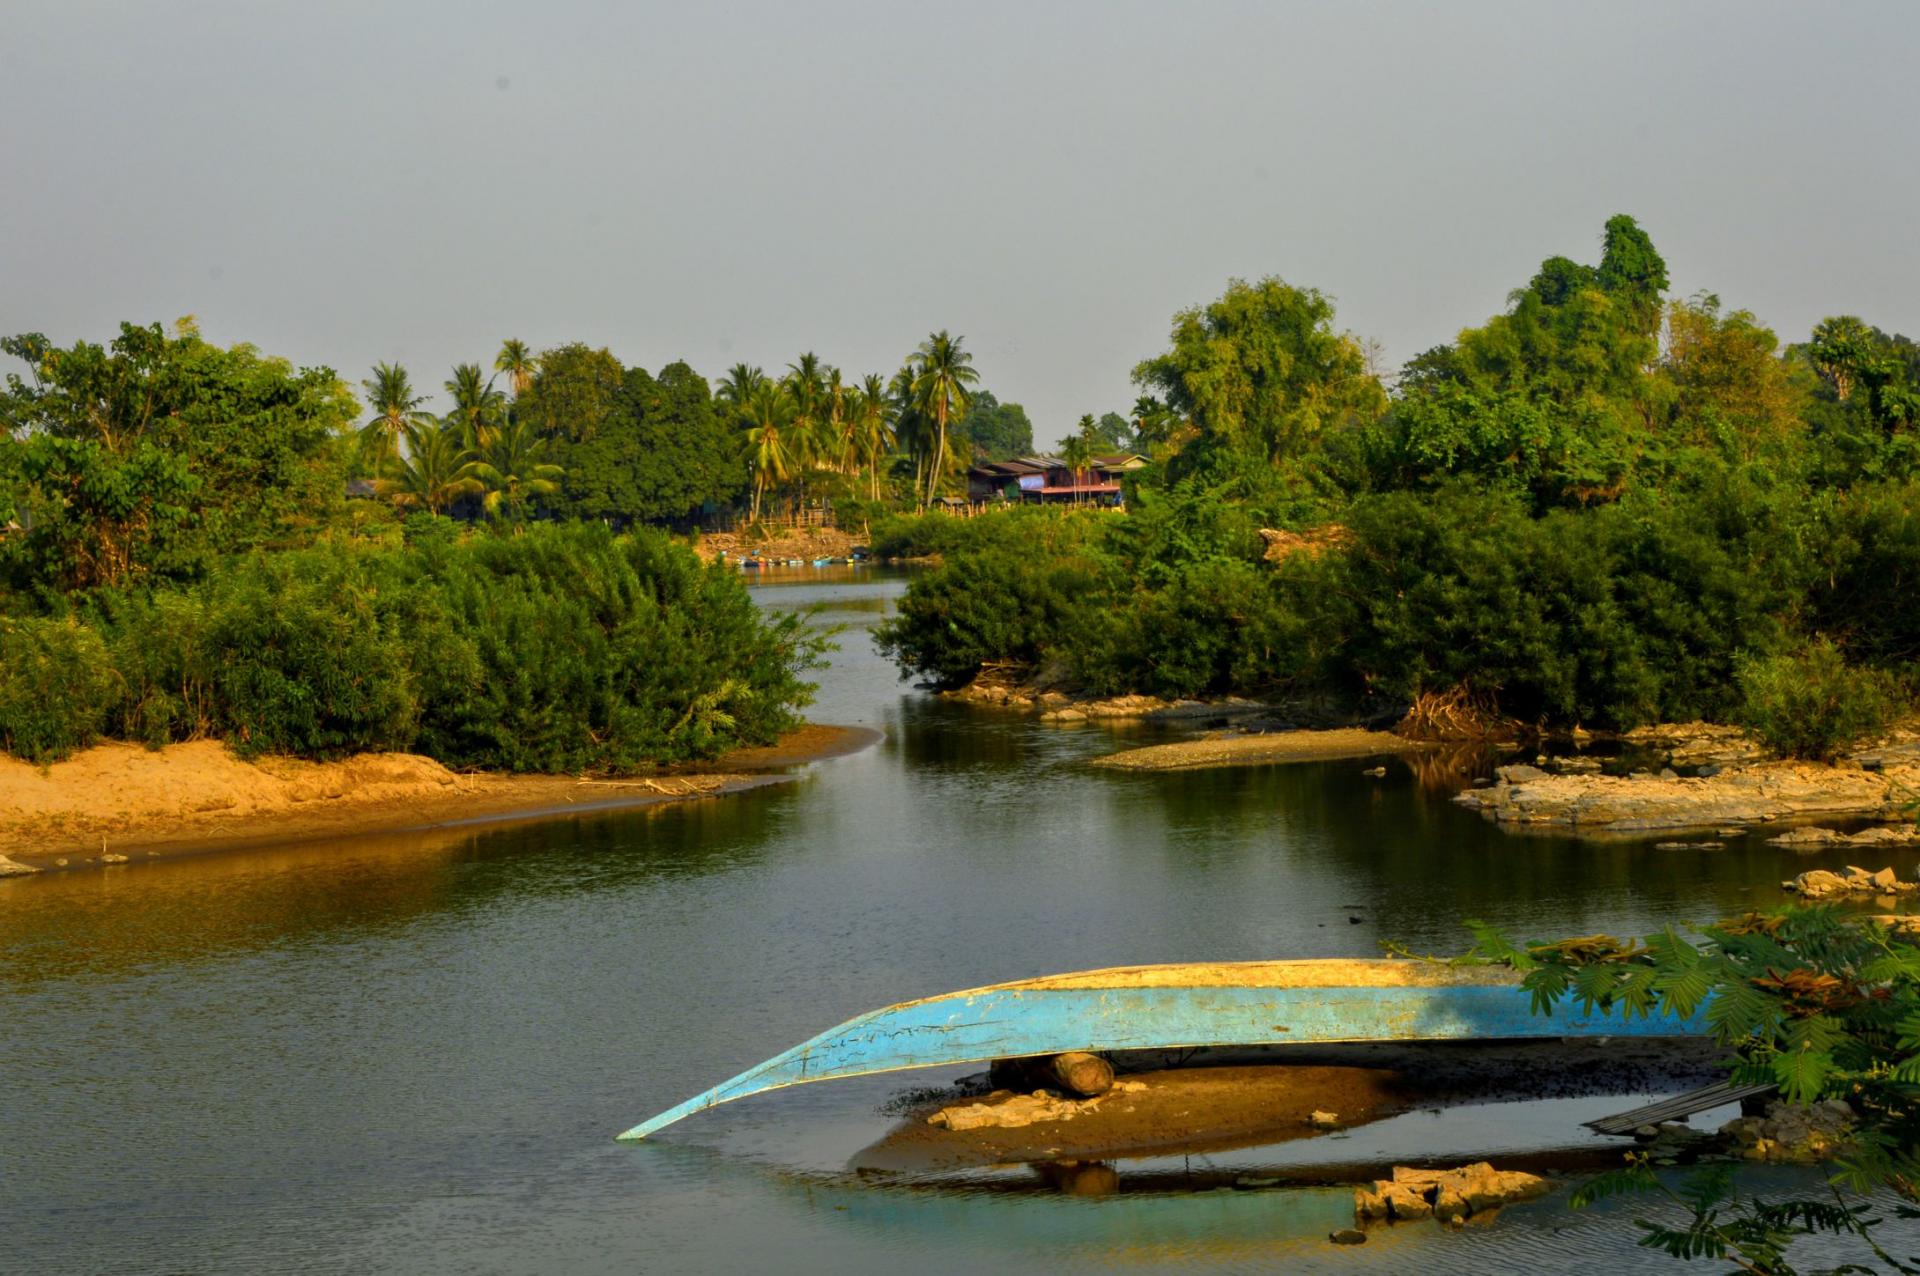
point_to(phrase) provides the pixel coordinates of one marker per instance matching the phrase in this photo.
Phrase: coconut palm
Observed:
(436, 471)
(736, 388)
(872, 412)
(807, 442)
(476, 406)
(769, 416)
(940, 386)
(395, 406)
(512, 469)
(518, 362)
(1078, 453)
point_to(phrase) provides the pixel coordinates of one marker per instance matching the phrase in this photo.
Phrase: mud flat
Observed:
(1250, 750)
(1874, 784)
(119, 803)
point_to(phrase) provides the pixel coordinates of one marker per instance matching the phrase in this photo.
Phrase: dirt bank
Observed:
(1873, 784)
(1057, 706)
(1248, 750)
(806, 543)
(119, 802)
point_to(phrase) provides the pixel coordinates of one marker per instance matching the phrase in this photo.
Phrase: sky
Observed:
(345, 183)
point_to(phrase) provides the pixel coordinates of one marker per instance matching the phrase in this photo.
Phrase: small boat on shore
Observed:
(1261, 1003)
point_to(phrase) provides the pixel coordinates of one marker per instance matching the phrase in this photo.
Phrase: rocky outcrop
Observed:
(1446, 1195)
(1005, 1109)
(1798, 1134)
(1693, 744)
(1741, 794)
(1819, 883)
(1816, 838)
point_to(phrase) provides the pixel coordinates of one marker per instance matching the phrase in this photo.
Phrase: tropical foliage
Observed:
(1600, 507)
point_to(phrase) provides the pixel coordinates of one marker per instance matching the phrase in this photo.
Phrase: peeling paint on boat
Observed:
(1177, 1006)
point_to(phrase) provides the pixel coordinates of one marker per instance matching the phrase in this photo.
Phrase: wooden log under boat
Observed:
(1178, 1006)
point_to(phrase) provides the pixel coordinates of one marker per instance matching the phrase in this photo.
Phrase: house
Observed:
(1038, 480)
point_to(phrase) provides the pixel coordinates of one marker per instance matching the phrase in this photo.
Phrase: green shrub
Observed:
(56, 686)
(1811, 704)
(561, 648)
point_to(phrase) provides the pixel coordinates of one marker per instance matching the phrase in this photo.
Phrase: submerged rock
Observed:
(1447, 1195)
(1892, 835)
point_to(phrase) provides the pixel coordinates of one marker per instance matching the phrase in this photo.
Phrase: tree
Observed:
(436, 471)
(1078, 452)
(394, 405)
(871, 409)
(477, 406)
(246, 448)
(573, 393)
(1731, 388)
(1262, 373)
(941, 384)
(518, 363)
(997, 431)
(513, 468)
(769, 415)
(661, 451)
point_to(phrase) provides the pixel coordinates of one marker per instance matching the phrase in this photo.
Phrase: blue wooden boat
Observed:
(1177, 1006)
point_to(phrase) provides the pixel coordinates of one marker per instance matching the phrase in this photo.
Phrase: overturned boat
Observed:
(1260, 1003)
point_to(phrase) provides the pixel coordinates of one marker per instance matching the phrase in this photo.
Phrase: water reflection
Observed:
(411, 1053)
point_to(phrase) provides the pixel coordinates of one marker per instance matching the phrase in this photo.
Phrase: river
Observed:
(411, 1054)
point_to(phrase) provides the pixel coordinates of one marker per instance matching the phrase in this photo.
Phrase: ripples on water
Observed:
(410, 1053)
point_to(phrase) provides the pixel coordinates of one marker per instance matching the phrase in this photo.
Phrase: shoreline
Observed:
(121, 803)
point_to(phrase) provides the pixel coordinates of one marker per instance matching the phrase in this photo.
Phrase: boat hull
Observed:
(1160, 1007)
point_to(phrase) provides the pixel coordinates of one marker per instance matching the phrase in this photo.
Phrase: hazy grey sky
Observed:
(347, 182)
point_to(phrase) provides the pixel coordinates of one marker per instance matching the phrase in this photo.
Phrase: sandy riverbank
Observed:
(1248, 750)
(117, 803)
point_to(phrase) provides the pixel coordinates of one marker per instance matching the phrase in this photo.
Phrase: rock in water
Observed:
(1348, 1236)
(1447, 1195)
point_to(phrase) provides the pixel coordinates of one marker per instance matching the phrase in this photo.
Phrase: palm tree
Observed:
(807, 442)
(395, 406)
(1078, 452)
(476, 406)
(872, 412)
(436, 471)
(512, 470)
(518, 362)
(769, 415)
(736, 388)
(941, 384)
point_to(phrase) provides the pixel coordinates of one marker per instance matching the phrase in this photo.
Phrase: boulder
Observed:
(1447, 1195)
(1519, 773)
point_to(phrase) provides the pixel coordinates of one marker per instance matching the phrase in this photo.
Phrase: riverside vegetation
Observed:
(1603, 508)
(178, 560)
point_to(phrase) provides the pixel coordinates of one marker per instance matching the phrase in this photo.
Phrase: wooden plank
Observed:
(1678, 1106)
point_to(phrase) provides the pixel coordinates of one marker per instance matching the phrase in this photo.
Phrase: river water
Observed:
(411, 1053)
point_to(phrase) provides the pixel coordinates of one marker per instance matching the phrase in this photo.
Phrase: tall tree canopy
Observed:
(1261, 374)
(160, 450)
(996, 430)
(654, 450)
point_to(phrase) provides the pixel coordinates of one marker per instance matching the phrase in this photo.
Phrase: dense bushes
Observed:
(559, 649)
(55, 687)
(1637, 611)
(1811, 704)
